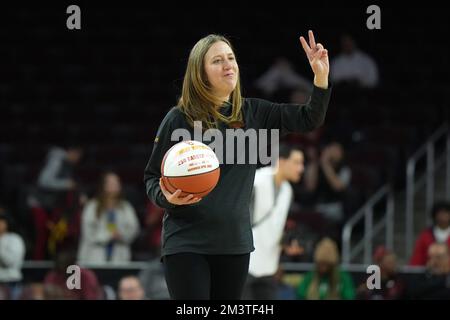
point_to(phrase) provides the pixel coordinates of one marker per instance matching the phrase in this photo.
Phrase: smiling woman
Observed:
(212, 78)
(207, 242)
(221, 69)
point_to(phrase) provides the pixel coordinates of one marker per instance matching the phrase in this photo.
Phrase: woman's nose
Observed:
(227, 65)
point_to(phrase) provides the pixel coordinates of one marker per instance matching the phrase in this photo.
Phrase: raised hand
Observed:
(318, 59)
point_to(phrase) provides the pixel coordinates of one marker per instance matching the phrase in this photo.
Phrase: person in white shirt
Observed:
(12, 253)
(282, 75)
(272, 198)
(109, 225)
(354, 66)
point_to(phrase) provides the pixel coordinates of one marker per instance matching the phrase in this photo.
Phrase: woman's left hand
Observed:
(318, 59)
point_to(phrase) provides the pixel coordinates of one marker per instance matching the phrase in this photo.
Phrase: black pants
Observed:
(260, 288)
(192, 276)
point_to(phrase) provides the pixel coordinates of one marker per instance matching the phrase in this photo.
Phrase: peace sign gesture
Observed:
(318, 59)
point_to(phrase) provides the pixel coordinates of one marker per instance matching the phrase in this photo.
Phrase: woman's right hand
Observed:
(175, 198)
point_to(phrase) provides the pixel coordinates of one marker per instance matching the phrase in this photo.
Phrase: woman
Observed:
(56, 279)
(207, 242)
(108, 225)
(327, 281)
(392, 285)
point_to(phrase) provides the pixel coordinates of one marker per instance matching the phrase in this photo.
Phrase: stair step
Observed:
(420, 217)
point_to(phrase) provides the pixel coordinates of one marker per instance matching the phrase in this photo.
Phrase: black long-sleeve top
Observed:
(220, 222)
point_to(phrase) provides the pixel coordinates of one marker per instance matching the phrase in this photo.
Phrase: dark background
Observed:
(108, 85)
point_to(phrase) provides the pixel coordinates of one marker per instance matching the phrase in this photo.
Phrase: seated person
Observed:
(392, 285)
(282, 75)
(327, 281)
(130, 288)
(55, 204)
(354, 66)
(12, 254)
(439, 232)
(435, 283)
(55, 281)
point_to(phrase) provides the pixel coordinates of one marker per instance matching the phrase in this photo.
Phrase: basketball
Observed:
(192, 167)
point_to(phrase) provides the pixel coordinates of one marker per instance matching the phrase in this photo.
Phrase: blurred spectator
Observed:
(439, 232)
(57, 174)
(64, 225)
(353, 66)
(33, 291)
(271, 200)
(154, 281)
(55, 281)
(281, 75)
(298, 242)
(148, 243)
(153, 224)
(130, 288)
(109, 225)
(55, 205)
(12, 253)
(326, 181)
(59, 228)
(326, 281)
(435, 283)
(392, 285)
(293, 249)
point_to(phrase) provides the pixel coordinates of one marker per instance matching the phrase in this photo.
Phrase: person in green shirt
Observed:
(327, 281)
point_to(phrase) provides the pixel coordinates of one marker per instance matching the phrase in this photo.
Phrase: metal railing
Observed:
(370, 231)
(428, 150)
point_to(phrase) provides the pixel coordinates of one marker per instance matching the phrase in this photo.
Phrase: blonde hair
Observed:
(197, 101)
(102, 197)
(326, 252)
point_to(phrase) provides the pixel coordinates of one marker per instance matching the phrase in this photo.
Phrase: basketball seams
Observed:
(187, 192)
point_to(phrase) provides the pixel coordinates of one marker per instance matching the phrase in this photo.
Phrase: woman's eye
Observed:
(216, 61)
